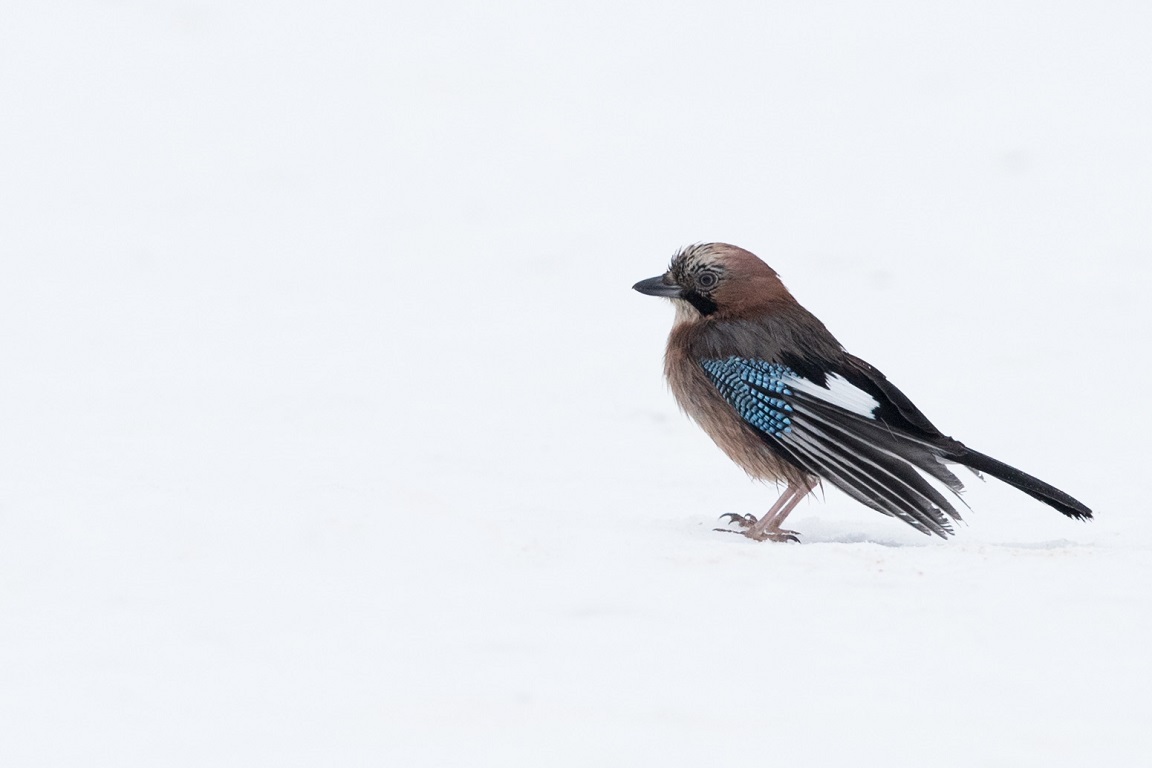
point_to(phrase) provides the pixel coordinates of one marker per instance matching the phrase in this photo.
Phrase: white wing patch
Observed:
(840, 392)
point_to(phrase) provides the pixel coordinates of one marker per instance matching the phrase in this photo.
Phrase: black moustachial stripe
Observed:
(703, 304)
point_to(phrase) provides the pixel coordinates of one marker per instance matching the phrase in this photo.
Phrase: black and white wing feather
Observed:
(857, 440)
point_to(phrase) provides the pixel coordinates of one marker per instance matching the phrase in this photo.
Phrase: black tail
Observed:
(1037, 489)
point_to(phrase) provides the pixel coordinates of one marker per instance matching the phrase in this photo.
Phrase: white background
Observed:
(331, 432)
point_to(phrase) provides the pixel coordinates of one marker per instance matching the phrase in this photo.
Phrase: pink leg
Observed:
(768, 527)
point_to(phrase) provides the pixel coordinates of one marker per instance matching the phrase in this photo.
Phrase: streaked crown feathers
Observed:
(732, 279)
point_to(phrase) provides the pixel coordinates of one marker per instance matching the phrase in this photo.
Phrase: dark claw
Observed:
(777, 536)
(743, 520)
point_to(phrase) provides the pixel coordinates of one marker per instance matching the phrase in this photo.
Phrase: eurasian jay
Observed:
(776, 391)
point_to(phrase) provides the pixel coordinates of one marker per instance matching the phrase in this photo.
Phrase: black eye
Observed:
(706, 280)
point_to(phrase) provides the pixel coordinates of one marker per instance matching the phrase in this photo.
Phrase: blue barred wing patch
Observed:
(755, 388)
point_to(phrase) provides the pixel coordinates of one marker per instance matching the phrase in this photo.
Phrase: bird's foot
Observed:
(773, 534)
(747, 526)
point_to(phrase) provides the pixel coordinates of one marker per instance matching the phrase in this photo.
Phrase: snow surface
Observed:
(331, 432)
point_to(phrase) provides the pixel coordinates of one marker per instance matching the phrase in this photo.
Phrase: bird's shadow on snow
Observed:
(808, 537)
(814, 532)
(864, 538)
(859, 538)
(832, 536)
(1054, 544)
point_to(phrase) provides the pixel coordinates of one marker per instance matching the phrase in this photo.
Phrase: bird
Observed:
(776, 391)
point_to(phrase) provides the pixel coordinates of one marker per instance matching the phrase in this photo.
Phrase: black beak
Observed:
(659, 286)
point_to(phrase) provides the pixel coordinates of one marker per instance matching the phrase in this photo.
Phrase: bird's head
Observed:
(717, 280)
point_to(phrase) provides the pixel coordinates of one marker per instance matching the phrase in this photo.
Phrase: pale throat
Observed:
(685, 312)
